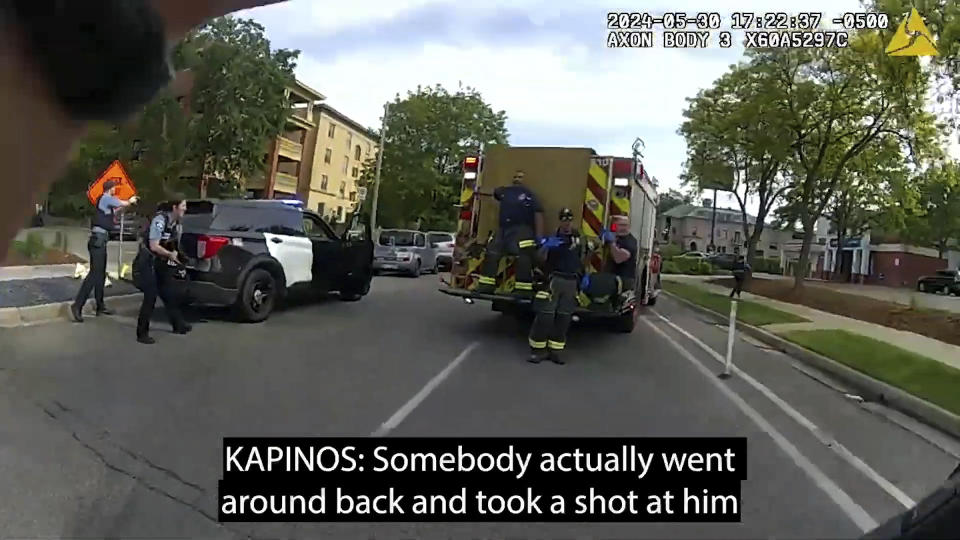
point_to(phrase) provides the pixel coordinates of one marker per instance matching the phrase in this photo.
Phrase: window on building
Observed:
(356, 172)
(332, 130)
(343, 188)
(339, 213)
(736, 237)
(353, 196)
(328, 156)
(321, 207)
(349, 141)
(346, 164)
(324, 182)
(356, 153)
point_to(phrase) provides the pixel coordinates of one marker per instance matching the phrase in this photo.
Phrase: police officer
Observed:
(107, 206)
(564, 264)
(521, 225)
(154, 267)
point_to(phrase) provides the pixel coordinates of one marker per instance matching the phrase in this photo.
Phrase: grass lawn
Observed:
(748, 312)
(921, 376)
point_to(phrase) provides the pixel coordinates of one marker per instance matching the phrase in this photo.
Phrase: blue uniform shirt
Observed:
(108, 203)
(518, 205)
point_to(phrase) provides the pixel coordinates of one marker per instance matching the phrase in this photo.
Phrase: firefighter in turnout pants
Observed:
(521, 225)
(564, 264)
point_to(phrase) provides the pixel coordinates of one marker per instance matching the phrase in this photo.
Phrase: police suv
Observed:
(251, 253)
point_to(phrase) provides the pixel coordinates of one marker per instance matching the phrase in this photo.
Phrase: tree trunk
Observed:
(803, 265)
(752, 242)
(838, 263)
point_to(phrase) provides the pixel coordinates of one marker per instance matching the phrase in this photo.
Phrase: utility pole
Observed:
(376, 182)
(713, 224)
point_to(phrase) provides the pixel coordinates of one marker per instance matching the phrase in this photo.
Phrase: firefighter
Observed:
(520, 228)
(564, 265)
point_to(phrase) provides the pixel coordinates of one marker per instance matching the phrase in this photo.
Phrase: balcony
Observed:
(286, 183)
(290, 149)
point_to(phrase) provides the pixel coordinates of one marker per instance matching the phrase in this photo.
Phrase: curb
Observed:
(16, 317)
(11, 273)
(873, 389)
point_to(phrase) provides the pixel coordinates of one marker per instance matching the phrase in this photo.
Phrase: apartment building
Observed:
(290, 155)
(690, 226)
(343, 148)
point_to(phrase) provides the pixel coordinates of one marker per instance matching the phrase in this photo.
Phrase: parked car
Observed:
(404, 251)
(693, 255)
(444, 243)
(945, 281)
(723, 261)
(133, 226)
(251, 253)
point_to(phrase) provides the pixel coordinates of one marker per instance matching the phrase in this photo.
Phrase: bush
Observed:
(669, 251)
(690, 266)
(768, 266)
(32, 248)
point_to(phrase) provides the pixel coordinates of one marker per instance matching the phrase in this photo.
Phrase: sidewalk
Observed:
(937, 350)
(73, 240)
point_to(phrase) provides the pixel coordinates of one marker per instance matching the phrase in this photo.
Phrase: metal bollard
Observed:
(731, 333)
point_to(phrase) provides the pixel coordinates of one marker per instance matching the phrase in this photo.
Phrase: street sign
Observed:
(362, 193)
(115, 172)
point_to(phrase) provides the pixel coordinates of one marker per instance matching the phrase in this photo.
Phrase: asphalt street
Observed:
(102, 437)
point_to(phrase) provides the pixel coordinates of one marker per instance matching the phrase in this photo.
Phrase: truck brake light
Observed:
(209, 246)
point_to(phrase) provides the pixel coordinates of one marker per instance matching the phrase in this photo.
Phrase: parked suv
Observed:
(250, 254)
(406, 251)
(946, 281)
(444, 243)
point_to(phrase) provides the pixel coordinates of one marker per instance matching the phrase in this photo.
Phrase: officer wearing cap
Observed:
(156, 262)
(107, 207)
(563, 256)
(521, 224)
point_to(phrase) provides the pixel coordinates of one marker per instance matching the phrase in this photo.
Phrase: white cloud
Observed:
(566, 86)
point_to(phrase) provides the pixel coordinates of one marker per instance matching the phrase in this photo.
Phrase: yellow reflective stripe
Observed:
(556, 345)
(526, 243)
(544, 295)
(523, 286)
(488, 280)
(537, 344)
(583, 299)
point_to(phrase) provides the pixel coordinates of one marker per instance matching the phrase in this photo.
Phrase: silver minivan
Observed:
(404, 251)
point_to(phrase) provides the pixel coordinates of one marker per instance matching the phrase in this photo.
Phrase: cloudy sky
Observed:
(545, 63)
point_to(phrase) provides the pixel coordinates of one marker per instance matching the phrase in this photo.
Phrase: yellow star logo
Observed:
(912, 38)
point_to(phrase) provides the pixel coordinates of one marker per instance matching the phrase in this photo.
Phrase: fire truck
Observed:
(595, 187)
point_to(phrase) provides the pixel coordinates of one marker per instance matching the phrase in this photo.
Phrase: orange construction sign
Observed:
(116, 172)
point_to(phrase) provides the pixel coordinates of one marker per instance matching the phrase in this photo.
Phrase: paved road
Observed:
(101, 437)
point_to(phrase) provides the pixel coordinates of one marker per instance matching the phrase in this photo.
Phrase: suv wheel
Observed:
(417, 271)
(357, 291)
(258, 296)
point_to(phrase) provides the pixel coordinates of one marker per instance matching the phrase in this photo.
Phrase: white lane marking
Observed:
(854, 511)
(821, 435)
(417, 399)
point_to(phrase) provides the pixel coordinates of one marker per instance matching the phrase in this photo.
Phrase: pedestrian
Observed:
(741, 269)
(101, 225)
(154, 267)
(520, 228)
(563, 256)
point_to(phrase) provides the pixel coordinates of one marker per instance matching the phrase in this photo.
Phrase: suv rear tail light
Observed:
(208, 246)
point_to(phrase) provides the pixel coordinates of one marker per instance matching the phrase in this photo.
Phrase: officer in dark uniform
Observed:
(521, 225)
(154, 267)
(564, 255)
(102, 224)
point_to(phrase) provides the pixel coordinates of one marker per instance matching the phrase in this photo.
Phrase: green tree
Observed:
(239, 98)
(737, 141)
(671, 199)
(936, 222)
(428, 133)
(838, 103)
